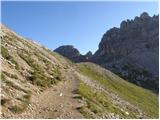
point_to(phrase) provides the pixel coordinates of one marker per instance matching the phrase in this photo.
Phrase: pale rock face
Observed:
(135, 43)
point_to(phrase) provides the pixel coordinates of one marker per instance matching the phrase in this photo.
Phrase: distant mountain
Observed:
(73, 54)
(132, 51)
(68, 51)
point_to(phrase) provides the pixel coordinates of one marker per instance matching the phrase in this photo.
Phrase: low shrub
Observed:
(18, 109)
(4, 101)
(22, 107)
(14, 76)
(7, 56)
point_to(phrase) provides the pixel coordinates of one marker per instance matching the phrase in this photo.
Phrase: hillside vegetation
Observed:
(39, 83)
(144, 99)
(27, 68)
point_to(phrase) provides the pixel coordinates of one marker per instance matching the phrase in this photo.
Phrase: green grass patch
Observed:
(25, 101)
(7, 56)
(14, 76)
(85, 112)
(3, 78)
(40, 79)
(38, 76)
(144, 99)
(18, 108)
(97, 102)
(56, 74)
(44, 60)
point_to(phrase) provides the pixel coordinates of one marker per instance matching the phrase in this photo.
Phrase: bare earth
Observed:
(55, 102)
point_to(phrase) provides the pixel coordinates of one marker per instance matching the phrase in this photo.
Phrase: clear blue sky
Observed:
(81, 24)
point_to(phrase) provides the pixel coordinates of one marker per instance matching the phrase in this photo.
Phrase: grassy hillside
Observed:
(40, 83)
(27, 69)
(137, 96)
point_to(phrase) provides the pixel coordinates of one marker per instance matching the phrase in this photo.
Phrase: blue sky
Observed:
(81, 24)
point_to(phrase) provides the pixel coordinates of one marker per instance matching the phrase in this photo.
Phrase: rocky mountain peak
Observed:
(67, 51)
(88, 54)
(73, 54)
(135, 45)
(144, 15)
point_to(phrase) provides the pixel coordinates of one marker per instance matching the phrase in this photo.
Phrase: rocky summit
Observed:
(132, 50)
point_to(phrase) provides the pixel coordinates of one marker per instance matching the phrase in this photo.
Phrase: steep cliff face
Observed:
(132, 50)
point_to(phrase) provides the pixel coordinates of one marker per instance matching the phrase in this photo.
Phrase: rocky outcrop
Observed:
(132, 50)
(73, 54)
(89, 55)
(68, 51)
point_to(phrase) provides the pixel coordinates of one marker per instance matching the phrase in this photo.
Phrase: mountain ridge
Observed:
(130, 51)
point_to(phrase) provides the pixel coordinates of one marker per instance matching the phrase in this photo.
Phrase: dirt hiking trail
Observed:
(55, 102)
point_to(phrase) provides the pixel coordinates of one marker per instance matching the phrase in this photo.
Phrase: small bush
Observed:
(22, 107)
(4, 101)
(85, 112)
(11, 75)
(3, 78)
(27, 96)
(56, 74)
(6, 55)
(38, 76)
(18, 109)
